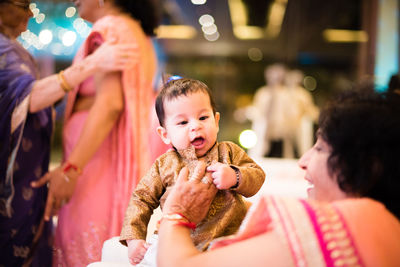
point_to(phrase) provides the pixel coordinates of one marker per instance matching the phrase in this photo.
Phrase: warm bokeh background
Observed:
(228, 43)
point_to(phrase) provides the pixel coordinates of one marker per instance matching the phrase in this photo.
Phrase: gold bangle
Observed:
(63, 83)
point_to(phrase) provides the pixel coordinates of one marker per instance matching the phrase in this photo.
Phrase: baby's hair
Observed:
(175, 88)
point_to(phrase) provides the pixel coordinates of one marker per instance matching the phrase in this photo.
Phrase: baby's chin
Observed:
(200, 154)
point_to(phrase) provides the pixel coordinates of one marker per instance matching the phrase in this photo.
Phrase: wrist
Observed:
(178, 219)
(71, 166)
(237, 176)
(70, 170)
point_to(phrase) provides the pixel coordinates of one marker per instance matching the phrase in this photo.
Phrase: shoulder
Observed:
(167, 166)
(123, 28)
(361, 207)
(169, 159)
(228, 147)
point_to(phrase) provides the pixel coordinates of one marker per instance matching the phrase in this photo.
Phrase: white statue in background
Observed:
(282, 115)
(271, 115)
(307, 111)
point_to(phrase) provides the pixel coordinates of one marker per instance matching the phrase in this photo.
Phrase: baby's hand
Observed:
(136, 250)
(224, 177)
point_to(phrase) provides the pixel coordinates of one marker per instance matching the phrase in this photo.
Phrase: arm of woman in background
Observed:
(104, 113)
(192, 199)
(108, 57)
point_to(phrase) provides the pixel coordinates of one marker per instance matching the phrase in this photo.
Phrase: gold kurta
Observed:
(227, 209)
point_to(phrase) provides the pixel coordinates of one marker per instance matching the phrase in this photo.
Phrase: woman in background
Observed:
(26, 124)
(105, 137)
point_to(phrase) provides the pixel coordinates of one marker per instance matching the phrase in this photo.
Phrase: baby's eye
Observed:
(182, 122)
(202, 118)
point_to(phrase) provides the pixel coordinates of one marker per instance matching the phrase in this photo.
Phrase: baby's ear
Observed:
(217, 117)
(162, 132)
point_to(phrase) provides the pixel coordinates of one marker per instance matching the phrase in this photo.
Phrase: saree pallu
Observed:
(352, 232)
(24, 157)
(96, 210)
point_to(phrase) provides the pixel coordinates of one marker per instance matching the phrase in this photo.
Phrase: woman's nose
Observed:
(303, 161)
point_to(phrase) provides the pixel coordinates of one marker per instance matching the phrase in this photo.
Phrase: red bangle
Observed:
(179, 218)
(69, 165)
(187, 224)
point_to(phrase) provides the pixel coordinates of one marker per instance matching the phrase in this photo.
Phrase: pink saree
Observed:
(96, 210)
(352, 232)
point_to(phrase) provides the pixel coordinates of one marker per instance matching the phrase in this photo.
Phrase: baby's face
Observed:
(189, 120)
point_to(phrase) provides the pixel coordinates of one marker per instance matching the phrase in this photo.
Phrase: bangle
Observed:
(179, 218)
(237, 172)
(69, 166)
(63, 82)
(189, 225)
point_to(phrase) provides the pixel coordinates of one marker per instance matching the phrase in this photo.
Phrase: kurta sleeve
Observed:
(145, 198)
(252, 175)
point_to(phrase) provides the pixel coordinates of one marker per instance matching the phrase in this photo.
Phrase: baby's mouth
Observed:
(198, 142)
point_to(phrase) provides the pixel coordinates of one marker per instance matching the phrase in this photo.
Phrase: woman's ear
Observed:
(162, 132)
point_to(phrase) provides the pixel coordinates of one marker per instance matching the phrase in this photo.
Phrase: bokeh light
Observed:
(247, 139)
(70, 12)
(206, 20)
(255, 54)
(69, 38)
(310, 83)
(199, 2)
(45, 36)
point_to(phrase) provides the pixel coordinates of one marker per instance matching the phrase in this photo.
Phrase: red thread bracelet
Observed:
(187, 224)
(69, 165)
(179, 218)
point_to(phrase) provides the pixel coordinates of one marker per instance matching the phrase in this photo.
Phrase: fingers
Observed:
(214, 167)
(199, 171)
(49, 207)
(207, 180)
(42, 181)
(140, 253)
(57, 205)
(183, 175)
(126, 56)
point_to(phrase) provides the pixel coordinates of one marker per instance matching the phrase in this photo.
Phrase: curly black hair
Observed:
(363, 129)
(175, 88)
(147, 12)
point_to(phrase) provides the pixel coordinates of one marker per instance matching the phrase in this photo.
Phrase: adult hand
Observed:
(136, 250)
(224, 177)
(191, 197)
(61, 188)
(115, 57)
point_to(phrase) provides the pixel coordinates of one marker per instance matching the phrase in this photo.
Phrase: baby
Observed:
(189, 122)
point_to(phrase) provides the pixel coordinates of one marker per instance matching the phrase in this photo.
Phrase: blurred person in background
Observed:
(26, 125)
(307, 112)
(273, 113)
(105, 136)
